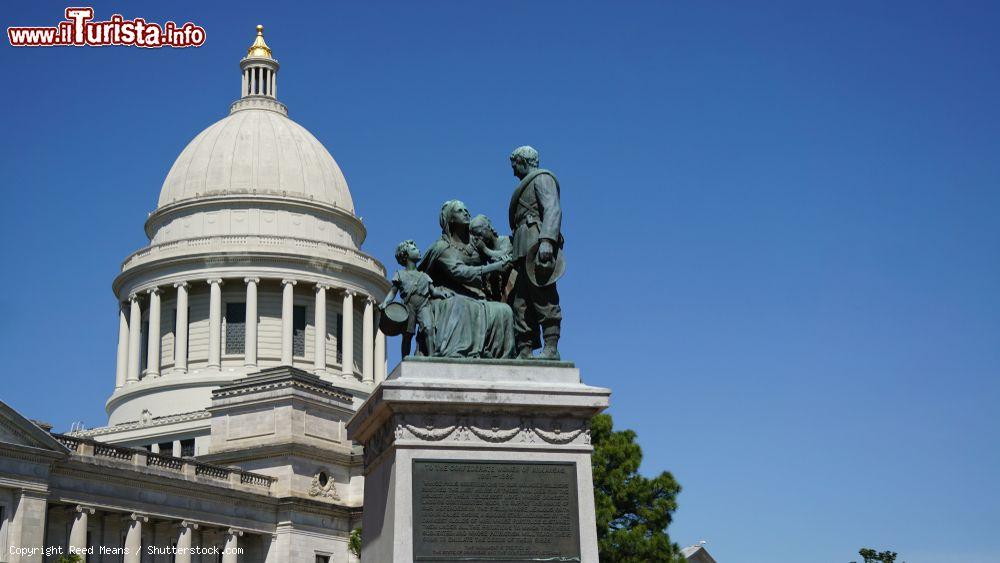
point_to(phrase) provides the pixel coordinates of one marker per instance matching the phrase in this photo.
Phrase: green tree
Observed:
(633, 511)
(354, 542)
(872, 556)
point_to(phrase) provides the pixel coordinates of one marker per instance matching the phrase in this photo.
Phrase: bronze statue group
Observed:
(476, 294)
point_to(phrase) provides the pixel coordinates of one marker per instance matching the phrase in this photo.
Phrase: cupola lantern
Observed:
(260, 69)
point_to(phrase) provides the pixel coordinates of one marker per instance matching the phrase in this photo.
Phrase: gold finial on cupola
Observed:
(259, 47)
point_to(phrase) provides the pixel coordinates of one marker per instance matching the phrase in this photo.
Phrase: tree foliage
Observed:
(872, 556)
(354, 542)
(633, 511)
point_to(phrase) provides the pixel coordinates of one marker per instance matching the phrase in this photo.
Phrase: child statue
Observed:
(494, 248)
(415, 290)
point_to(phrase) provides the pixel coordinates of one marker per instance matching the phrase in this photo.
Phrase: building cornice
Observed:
(285, 449)
(238, 256)
(138, 424)
(281, 377)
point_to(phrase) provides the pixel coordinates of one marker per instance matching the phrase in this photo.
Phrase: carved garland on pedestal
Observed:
(494, 429)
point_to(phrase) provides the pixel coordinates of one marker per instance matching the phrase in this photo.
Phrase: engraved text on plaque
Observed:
(495, 511)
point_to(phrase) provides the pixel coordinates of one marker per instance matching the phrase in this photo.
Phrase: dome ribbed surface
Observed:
(256, 151)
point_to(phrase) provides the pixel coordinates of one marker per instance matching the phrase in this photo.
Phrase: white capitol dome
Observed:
(254, 261)
(257, 151)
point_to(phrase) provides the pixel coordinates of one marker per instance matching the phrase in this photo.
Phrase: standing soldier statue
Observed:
(535, 221)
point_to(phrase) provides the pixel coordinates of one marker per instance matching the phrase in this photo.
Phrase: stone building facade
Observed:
(247, 338)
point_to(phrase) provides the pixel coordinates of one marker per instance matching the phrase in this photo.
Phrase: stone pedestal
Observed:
(478, 460)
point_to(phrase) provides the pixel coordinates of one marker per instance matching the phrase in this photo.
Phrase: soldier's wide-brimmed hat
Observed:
(547, 274)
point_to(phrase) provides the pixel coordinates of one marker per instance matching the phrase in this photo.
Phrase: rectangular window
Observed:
(187, 447)
(340, 341)
(236, 326)
(166, 448)
(299, 330)
(322, 559)
(144, 345)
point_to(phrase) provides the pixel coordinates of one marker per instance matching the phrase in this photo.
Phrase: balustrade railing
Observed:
(112, 451)
(162, 461)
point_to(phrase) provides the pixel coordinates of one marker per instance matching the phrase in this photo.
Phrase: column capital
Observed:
(350, 293)
(369, 300)
(136, 517)
(187, 524)
(213, 281)
(85, 509)
(134, 297)
(322, 286)
(251, 280)
(288, 282)
(183, 284)
(154, 291)
(234, 532)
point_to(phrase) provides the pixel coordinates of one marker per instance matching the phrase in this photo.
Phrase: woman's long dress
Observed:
(466, 325)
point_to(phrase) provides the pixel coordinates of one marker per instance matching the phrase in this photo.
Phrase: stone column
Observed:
(346, 344)
(243, 86)
(320, 321)
(229, 554)
(185, 533)
(133, 537)
(215, 324)
(272, 548)
(153, 344)
(27, 527)
(368, 342)
(78, 530)
(181, 329)
(121, 367)
(287, 301)
(379, 357)
(251, 323)
(134, 339)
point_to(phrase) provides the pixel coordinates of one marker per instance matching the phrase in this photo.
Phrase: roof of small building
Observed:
(697, 554)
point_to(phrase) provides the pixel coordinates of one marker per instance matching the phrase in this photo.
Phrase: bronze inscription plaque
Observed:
(495, 511)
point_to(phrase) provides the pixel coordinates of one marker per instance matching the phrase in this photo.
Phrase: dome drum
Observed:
(265, 216)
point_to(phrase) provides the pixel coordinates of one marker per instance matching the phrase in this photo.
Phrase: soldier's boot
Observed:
(524, 351)
(551, 349)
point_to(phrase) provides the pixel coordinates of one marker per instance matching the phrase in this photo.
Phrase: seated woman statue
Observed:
(466, 324)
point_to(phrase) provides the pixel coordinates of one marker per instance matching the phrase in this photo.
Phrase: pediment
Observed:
(19, 431)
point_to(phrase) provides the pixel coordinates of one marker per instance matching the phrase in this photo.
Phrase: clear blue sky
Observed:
(781, 225)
